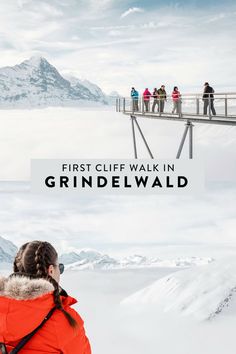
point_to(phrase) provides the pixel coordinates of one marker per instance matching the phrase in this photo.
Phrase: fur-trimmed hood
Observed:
(24, 302)
(24, 288)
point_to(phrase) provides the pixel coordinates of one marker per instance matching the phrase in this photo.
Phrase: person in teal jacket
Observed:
(135, 96)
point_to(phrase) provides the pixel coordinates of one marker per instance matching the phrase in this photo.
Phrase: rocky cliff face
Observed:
(36, 83)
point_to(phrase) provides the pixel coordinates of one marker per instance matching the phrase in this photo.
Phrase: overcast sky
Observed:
(119, 43)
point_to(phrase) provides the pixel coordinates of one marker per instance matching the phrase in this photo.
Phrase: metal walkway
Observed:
(190, 110)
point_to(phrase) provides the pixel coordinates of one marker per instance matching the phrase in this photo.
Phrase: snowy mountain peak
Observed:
(88, 259)
(88, 255)
(35, 60)
(35, 82)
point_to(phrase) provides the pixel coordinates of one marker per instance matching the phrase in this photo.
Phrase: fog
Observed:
(116, 329)
(102, 133)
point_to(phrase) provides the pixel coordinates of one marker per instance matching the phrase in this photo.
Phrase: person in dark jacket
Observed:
(162, 98)
(134, 95)
(155, 99)
(207, 98)
(28, 295)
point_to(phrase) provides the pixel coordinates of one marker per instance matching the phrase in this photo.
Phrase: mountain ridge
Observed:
(92, 259)
(37, 83)
(204, 292)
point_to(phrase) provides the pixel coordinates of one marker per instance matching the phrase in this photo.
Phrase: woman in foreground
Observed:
(31, 294)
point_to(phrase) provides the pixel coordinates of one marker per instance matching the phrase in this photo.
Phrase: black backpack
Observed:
(20, 345)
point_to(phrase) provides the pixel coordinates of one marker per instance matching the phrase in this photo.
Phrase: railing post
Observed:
(190, 140)
(134, 139)
(142, 105)
(209, 104)
(179, 107)
(226, 106)
(116, 104)
(198, 106)
(123, 105)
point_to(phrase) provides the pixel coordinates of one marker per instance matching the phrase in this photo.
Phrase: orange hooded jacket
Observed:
(24, 303)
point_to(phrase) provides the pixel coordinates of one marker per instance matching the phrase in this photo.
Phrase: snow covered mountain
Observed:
(92, 88)
(91, 259)
(36, 83)
(203, 292)
(88, 259)
(7, 250)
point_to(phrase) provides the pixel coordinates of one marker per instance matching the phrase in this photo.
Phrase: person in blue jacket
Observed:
(135, 96)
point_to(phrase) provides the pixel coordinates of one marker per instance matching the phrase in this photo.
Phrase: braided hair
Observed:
(33, 260)
(18, 265)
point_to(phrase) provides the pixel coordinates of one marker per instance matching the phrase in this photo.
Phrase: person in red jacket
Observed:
(146, 99)
(27, 296)
(176, 96)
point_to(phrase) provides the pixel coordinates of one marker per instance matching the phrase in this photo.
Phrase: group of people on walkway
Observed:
(160, 97)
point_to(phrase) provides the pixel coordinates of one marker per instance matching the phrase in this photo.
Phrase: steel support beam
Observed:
(134, 138)
(143, 137)
(188, 128)
(134, 120)
(182, 141)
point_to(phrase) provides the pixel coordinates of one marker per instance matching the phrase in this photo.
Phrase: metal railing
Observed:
(223, 105)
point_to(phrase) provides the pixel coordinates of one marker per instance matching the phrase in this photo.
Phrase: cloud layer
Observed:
(104, 222)
(125, 43)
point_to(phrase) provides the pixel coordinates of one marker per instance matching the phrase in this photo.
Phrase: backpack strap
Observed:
(3, 348)
(25, 339)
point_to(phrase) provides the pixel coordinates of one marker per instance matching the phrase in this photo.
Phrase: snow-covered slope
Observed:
(91, 259)
(35, 82)
(203, 292)
(92, 88)
(7, 250)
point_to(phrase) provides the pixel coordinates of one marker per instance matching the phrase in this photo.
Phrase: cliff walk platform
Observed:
(190, 109)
